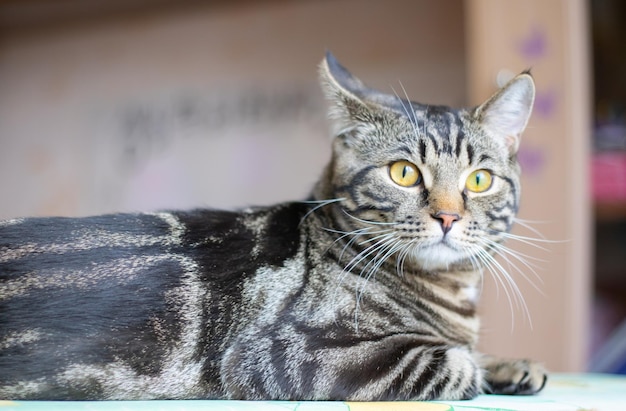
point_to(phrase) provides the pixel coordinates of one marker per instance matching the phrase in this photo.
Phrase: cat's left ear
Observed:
(351, 100)
(505, 115)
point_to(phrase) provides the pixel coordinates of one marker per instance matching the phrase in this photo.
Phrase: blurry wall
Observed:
(552, 252)
(151, 105)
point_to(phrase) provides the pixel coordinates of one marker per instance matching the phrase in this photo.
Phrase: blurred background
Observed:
(137, 105)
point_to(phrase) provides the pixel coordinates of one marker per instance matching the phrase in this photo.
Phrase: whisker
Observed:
(391, 247)
(500, 248)
(358, 232)
(476, 266)
(368, 240)
(530, 240)
(525, 240)
(345, 271)
(387, 251)
(383, 244)
(527, 225)
(518, 298)
(348, 245)
(367, 221)
(518, 270)
(321, 203)
(346, 233)
(402, 255)
(366, 253)
(355, 233)
(411, 115)
(492, 270)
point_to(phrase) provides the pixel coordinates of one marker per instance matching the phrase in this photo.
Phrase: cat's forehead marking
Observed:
(438, 128)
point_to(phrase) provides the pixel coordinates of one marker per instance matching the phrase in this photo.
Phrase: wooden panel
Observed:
(550, 37)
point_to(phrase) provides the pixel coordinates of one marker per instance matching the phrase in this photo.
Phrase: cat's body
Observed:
(366, 292)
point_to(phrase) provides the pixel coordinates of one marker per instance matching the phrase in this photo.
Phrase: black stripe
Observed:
(398, 384)
(470, 154)
(513, 187)
(405, 149)
(484, 157)
(471, 390)
(383, 360)
(356, 181)
(370, 207)
(436, 390)
(422, 150)
(431, 370)
(459, 140)
(460, 136)
(373, 196)
(434, 142)
(463, 311)
(507, 205)
(493, 218)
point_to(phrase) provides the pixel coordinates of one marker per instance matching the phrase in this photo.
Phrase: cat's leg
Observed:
(514, 377)
(442, 373)
(387, 373)
(392, 368)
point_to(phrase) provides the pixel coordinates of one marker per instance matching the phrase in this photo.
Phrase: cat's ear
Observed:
(505, 115)
(349, 98)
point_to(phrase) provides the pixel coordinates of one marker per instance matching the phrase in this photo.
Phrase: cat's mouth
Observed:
(438, 254)
(445, 240)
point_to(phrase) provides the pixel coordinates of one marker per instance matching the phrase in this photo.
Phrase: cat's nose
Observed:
(446, 220)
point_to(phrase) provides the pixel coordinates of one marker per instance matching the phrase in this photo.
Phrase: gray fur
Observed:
(364, 292)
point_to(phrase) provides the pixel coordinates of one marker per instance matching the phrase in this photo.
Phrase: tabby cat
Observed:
(367, 291)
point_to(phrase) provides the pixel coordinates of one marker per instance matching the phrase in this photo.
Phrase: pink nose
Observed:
(446, 220)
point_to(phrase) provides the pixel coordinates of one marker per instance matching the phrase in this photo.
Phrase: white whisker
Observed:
(505, 279)
(503, 251)
(383, 253)
(476, 266)
(410, 114)
(527, 225)
(370, 239)
(366, 221)
(367, 252)
(488, 263)
(531, 240)
(402, 255)
(320, 204)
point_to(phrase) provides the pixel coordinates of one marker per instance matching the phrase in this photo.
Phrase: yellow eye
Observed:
(404, 174)
(479, 181)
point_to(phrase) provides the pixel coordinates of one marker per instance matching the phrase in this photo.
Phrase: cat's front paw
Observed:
(514, 377)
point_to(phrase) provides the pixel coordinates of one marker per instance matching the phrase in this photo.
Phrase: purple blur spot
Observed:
(532, 160)
(534, 45)
(545, 103)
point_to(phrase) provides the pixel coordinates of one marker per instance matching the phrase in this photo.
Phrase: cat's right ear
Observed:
(347, 94)
(505, 115)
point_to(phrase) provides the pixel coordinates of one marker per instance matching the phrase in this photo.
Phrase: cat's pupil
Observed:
(405, 171)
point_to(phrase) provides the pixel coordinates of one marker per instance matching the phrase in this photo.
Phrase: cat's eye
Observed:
(479, 181)
(404, 173)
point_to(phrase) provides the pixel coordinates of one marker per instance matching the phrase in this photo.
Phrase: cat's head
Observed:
(438, 185)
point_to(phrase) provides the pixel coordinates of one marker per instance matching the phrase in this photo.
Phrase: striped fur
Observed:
(358, 294)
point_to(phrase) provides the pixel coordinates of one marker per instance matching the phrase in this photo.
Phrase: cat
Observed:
(367, 291)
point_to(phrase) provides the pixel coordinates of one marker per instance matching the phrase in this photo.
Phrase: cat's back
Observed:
(127, 295)
(65, 252)
(115, 246)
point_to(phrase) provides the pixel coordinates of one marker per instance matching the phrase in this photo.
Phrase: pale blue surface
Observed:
(564, 392)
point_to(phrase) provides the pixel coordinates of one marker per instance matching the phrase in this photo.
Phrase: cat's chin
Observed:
(436, 257)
